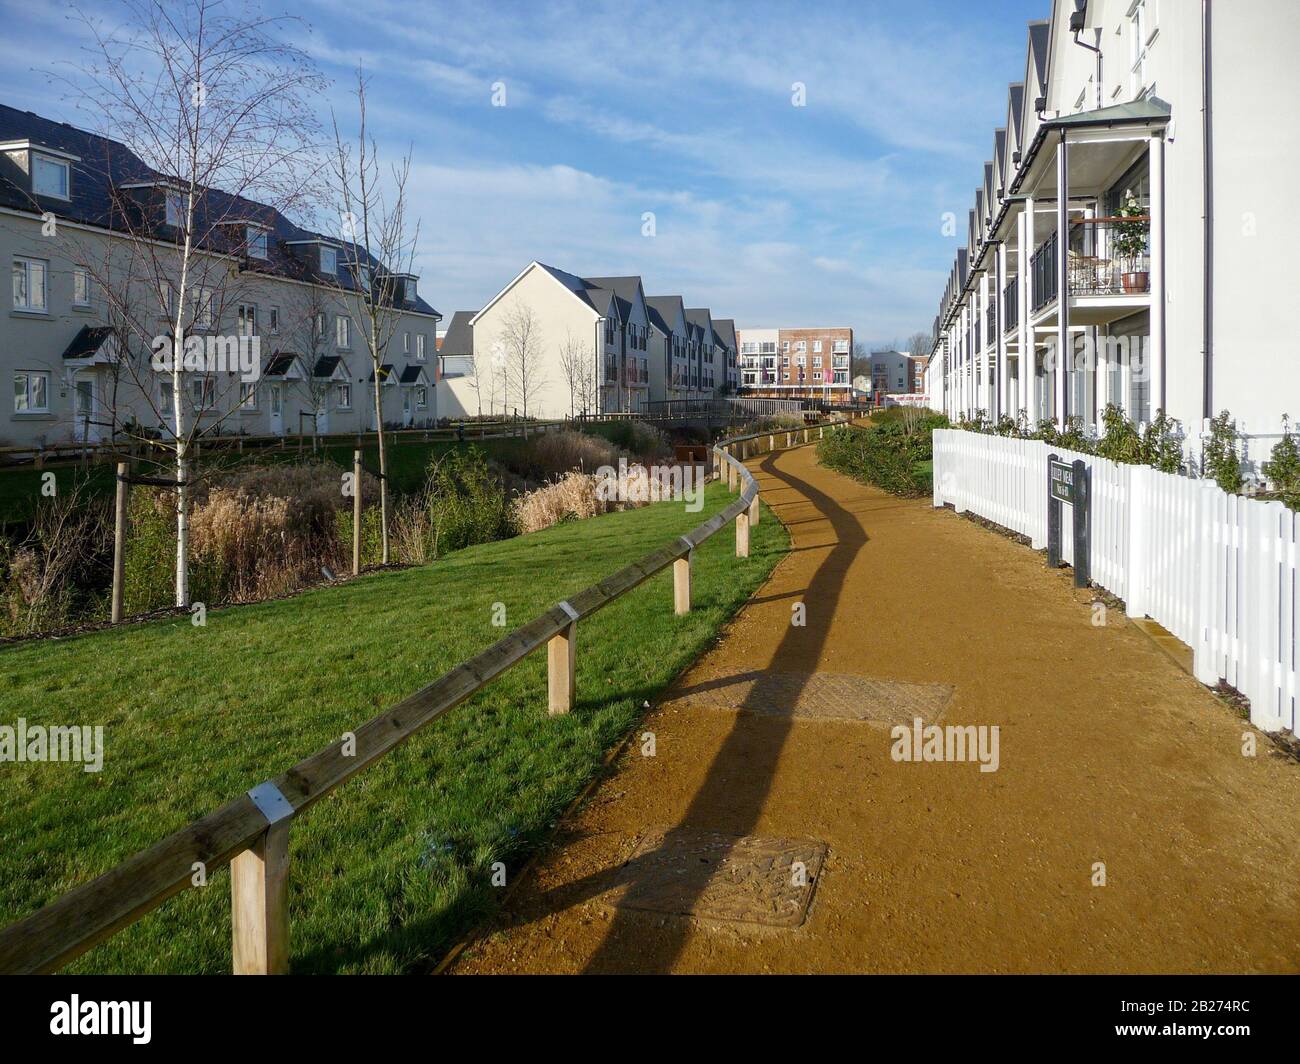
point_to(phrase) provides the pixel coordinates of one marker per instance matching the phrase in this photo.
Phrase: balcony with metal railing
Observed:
(1042, 271)
(1109, 256)
(1011, 305)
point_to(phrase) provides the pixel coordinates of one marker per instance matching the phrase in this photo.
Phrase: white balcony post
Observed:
(986, 369)
(1024, 237)
(1156, 350)
(1000, 331)
(1062, 281)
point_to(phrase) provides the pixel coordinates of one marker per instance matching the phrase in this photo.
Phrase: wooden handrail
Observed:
(70, 925)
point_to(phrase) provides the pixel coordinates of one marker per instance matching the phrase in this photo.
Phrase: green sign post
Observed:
(1069, 483)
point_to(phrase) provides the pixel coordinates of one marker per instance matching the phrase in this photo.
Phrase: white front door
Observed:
(85, 410)
(277, 409)
(406, 406)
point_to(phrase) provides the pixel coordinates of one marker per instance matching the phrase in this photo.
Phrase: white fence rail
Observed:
(1218, 570)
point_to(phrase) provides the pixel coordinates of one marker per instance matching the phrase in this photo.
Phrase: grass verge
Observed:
(396, 866)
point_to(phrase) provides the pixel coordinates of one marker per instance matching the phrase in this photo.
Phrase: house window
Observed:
(419, 347)
(329, 261)
(202, 391)
(247, 319)
(173, 209)
(817, 345)
(345, 396)
(421, 397)
(1142, 31)
(841, 347)
(275, 319)
(343, 331)
(802, 345)
(255, 242)
(319, 326)
(31, 393)
(248, 395)
(49, 176)
(29, 285)
(406, 343)
(80, 287)
(410, 289)
(202, 298)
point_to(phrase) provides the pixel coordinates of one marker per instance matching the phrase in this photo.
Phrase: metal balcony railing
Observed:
(1042, 268)
(990, 325)
(1011, 305)
(1109, 256)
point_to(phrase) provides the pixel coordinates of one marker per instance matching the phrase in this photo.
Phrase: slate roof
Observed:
(88, 341)
(99, 199)
(410, 374)
(725, 330)
(459, 339)
(664, 309)
(325, 366)
(280, 363)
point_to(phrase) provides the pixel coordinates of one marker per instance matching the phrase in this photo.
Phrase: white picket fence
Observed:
(1219, 571)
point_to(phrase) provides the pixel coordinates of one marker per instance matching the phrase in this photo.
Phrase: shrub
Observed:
(1162, 448)
(1120, 440)
(885, 455)
(1221, 461)
(465, 501)
(1283, 468)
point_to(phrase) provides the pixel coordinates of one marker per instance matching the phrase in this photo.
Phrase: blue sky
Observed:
(825, 214)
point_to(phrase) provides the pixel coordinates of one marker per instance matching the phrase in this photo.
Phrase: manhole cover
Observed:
(823, 695)
(720, 877)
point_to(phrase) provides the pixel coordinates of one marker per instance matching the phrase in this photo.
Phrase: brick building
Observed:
(808, 364)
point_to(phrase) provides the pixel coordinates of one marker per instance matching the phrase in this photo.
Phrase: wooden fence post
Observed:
(561, 655)
(682, 584)
(259, 895)
(356, 513)
(119, 542)
(753, 510)
(742, 534)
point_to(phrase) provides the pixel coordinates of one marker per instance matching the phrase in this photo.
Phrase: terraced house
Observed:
(1136, 216)
(76, 210)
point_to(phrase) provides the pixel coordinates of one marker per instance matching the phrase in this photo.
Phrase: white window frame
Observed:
(344, 396)
(247, 319)
(81, 278)
(256, 242)
(343, 332)
(203, 392)
(62, 164)
(274, 321)
(817, 346)
(173, 208)
(421, 397)
(248, 395)
(201, 296)
(329, 260)
(419, 347)
(28, 267)
(406, 343)
(1143, 28)
(28, 376)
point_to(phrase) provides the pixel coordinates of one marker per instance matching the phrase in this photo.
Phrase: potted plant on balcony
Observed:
(1130, 243)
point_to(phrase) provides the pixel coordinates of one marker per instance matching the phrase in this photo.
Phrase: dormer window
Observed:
(255, 242)
(49, 176)
(174, 209)
(329, 260)
(410, 289)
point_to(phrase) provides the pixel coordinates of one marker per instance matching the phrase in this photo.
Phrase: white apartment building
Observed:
(597, 345)
(1135, 215)
(76, 328)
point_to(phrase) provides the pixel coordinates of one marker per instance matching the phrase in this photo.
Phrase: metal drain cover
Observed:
(743, 879)
(822, 695)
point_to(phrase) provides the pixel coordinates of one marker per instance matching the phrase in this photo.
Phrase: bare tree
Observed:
(521, 336)
(304, 322)
(372, 207)
(575, 363)
(919, 344)
(214, 104)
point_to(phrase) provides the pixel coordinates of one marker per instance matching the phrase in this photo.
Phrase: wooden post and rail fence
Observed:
(251, 833)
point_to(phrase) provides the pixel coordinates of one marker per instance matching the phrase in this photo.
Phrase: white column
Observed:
(1025, 237)
(1062, 280)
(981, 338)
(1001, 330)
(1156, 351)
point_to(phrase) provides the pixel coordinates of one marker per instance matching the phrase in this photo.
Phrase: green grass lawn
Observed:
(395, 866)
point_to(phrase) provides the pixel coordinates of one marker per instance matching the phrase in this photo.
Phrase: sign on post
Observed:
(1068, 484)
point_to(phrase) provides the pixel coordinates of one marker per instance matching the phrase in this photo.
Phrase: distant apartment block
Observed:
(810, 364)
